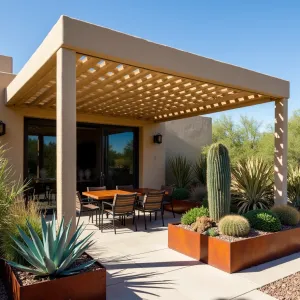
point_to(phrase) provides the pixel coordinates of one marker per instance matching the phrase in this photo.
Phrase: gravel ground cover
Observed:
(287, 288)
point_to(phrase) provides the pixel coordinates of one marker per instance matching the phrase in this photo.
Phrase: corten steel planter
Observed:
(187, 242)
(181, 206)
(88, 285)
(235, 256)
(239, 255)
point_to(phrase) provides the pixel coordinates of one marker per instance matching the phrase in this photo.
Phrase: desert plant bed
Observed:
(90, 283)
(232, 254)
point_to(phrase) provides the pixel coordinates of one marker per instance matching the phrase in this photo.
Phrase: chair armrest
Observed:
(107, 203)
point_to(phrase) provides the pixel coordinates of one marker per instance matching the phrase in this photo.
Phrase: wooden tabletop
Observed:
(109, 194)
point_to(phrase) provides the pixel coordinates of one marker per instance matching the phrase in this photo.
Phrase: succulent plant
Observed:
(252, 185)
(180, 194)
(191, 215)
(202, 224)
(234, 225)
(264, 220)
(182, 171)
(55, 254)
(287, 215)
(213, 231)
(218, 181)
(200, 169)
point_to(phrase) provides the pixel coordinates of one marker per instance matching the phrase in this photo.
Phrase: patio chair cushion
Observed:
(89, 207)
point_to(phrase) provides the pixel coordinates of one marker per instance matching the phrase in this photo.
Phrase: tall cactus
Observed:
(218, 181)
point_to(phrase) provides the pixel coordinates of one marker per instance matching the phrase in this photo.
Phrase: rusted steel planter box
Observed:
(187, 242)
(239, 255)
(89, 285)
(234, 256)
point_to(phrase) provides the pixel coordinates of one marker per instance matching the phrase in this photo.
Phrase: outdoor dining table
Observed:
(110, 194)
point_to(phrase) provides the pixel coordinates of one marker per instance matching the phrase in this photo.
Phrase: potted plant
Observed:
(58, 265)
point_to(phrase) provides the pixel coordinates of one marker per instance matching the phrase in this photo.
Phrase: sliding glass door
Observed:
(120, 157)
(106, 155)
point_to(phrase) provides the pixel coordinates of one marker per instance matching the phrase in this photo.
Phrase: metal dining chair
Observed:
(152, 202)
(124, 187)
(122, 206)
(96, 188)
(82, 207)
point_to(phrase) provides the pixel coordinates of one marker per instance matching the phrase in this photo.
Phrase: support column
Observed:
(280, 159)
(66, 135)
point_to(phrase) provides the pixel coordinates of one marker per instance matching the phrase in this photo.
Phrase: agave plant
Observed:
(182, 171)
(294, 185)
(252, 185)
(55, 254)
(200, 169)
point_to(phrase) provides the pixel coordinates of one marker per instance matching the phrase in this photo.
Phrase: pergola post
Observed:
(66, 135)
(280, 159)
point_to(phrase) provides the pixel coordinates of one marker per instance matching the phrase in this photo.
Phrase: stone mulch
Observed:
(252, 233)
(3, 295)
(26, 278)
(287, 288)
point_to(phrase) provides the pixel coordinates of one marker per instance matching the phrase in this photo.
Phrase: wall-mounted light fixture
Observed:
(157, 139)
(2, 128)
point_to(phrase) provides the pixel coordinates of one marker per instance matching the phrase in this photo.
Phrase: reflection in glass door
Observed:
(120, 157)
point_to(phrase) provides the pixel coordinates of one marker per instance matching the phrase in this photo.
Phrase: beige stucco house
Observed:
(121, 90)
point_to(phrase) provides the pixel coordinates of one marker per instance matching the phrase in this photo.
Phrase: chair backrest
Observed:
(169, 189)
(124, 187)
(153, 200)
(124, 203)
(96, 188)
(78, 201)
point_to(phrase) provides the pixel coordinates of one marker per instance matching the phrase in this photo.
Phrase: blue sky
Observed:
(259, 35)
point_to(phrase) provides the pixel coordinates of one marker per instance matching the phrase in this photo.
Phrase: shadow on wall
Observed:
(187, 137)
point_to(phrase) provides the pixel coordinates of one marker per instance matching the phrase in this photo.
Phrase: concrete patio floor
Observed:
(141, 266)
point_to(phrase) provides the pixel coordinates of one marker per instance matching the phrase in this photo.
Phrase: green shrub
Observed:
(212, 232)
(287, 215)
(19, 216)
(264, 220)
(180, 194)
(234, 225)
(205, 202)
(10, 191)
(190, 216)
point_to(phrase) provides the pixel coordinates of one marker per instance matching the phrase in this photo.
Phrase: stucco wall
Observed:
(186, 137)
(14, 137)
(152, 157)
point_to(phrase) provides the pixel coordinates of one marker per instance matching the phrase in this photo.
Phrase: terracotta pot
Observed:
(235, 256)
(181, 206)
(88, 285)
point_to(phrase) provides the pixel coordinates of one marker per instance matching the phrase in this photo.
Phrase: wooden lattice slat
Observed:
(115, 89)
